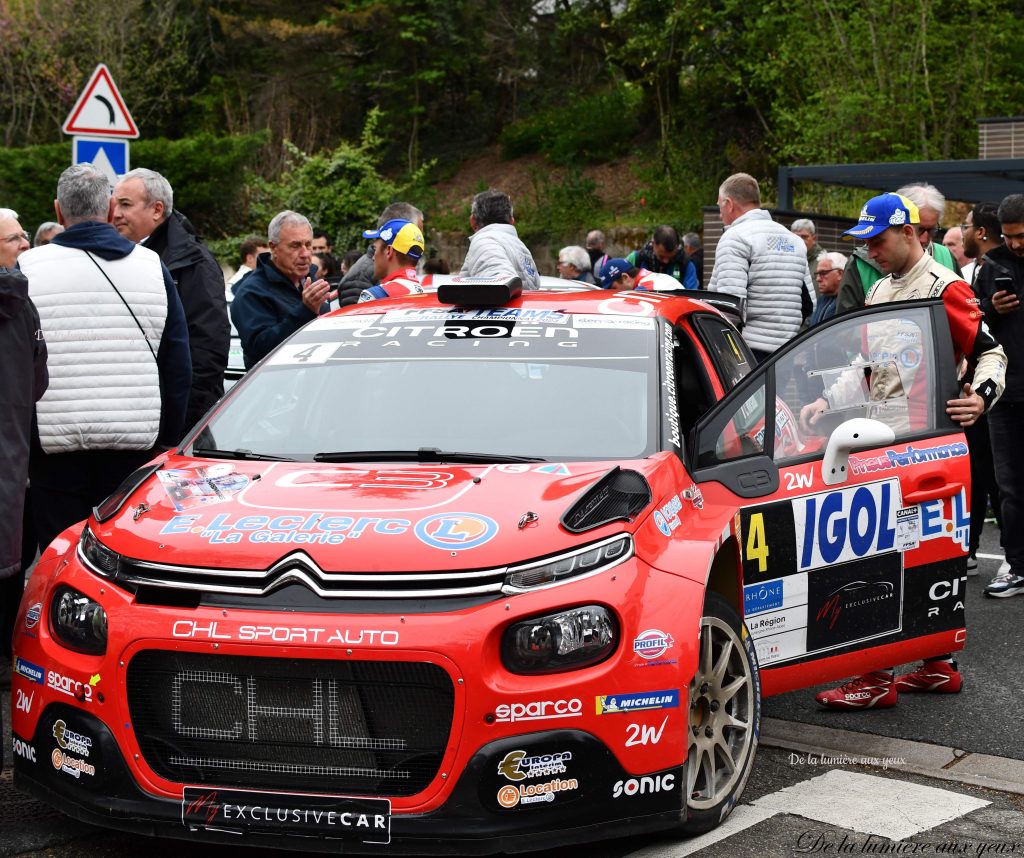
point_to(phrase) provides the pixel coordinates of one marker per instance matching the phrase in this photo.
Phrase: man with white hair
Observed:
(144, 213)
(280, 296)
(863, 272)
(807, 232)
(828, 274)
(118, 356)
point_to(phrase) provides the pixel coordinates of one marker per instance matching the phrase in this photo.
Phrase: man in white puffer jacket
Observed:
(762, 262)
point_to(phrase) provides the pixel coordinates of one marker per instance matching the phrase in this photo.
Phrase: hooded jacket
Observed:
(118, 354)
(23, 380)
(200, 283)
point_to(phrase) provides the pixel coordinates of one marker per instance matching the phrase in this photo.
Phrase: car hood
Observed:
(347, 517)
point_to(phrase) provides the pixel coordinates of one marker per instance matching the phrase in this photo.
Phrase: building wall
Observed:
(1001, 137)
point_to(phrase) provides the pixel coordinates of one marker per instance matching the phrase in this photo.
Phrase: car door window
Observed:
(882, 368)
(730, 355)
(885, 363)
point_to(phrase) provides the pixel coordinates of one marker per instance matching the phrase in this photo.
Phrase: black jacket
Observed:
(200, 283)
(356, 279)
(23, 379)
(1004, 271)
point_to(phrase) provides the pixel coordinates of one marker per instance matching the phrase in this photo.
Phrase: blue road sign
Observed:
(108, 154)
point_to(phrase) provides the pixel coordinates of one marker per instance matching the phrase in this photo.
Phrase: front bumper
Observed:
(594, 798)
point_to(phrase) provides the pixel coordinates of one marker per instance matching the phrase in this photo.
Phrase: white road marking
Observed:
(998, 557)
(869, 804)
(857, 802)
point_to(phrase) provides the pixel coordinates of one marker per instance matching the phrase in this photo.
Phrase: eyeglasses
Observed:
(16, 237)
(825, 273)
(931, 230)
(966, 226)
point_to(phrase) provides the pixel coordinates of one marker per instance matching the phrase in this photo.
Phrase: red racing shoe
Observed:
(871, 691)
(932, 677)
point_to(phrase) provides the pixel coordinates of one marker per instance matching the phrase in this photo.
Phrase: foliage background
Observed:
(336, 108)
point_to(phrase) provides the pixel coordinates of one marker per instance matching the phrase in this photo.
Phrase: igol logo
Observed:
(456, 530)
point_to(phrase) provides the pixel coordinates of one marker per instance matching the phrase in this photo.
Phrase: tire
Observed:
(725, 717)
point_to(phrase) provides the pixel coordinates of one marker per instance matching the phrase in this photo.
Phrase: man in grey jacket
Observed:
(762, 262)
(494, 248)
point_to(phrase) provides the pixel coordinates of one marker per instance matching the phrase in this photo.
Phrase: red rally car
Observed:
(479, 571)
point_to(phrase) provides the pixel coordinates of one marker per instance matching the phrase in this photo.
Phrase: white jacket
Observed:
(496, 251)
(764, 263)
(104, 389)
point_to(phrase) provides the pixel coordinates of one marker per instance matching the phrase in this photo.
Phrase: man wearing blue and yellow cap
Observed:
(889, 224)
(397, 246)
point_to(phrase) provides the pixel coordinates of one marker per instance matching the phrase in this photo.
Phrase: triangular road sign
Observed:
(100, 110)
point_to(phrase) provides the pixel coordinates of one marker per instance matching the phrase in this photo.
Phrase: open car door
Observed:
(853, 532)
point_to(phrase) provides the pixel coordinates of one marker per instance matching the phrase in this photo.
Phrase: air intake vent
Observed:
(617, 495)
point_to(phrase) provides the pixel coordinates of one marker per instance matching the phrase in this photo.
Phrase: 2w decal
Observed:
(644, 734)
(795, 481)
(23, 702)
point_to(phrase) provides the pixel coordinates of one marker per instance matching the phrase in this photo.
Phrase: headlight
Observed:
(584, 561)
(568, 640)
(78, 622)
(96, 555)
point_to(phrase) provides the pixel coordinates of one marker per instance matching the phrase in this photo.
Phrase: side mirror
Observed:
(859, 432)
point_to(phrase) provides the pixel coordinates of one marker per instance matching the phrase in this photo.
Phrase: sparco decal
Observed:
(219, 630)
(510, 796)
(539, 710)
(644, 785)
(518, 766)
(67, 685)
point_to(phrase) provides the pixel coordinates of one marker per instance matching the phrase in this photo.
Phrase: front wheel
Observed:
(725, 717)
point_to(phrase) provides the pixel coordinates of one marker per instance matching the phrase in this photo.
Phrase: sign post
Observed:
(101, 127)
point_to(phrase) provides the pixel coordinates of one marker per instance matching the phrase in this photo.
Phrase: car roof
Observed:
(590, 301)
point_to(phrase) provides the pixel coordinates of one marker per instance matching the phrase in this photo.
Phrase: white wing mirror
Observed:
(849, 435)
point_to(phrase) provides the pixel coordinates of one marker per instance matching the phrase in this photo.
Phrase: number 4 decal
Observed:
(757, 545)
(304, 353)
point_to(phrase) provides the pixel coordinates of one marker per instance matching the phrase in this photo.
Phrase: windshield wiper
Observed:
(246, 455)
(423, 454)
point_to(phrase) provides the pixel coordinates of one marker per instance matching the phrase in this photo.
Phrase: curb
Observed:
(935, 761)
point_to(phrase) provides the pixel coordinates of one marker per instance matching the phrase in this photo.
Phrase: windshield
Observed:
(428, 384)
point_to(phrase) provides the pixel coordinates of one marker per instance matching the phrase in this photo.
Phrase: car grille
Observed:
(374, 728)
(299, 568)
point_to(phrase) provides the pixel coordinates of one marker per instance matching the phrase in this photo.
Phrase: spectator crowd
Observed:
(116, 323)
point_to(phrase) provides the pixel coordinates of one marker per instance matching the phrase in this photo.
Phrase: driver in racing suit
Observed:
(887, 224)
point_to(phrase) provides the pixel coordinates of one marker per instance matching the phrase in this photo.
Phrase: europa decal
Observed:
(518, 765)
(458, 531)
(904, 458)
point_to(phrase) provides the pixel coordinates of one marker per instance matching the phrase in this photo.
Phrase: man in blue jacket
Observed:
(281, 295)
